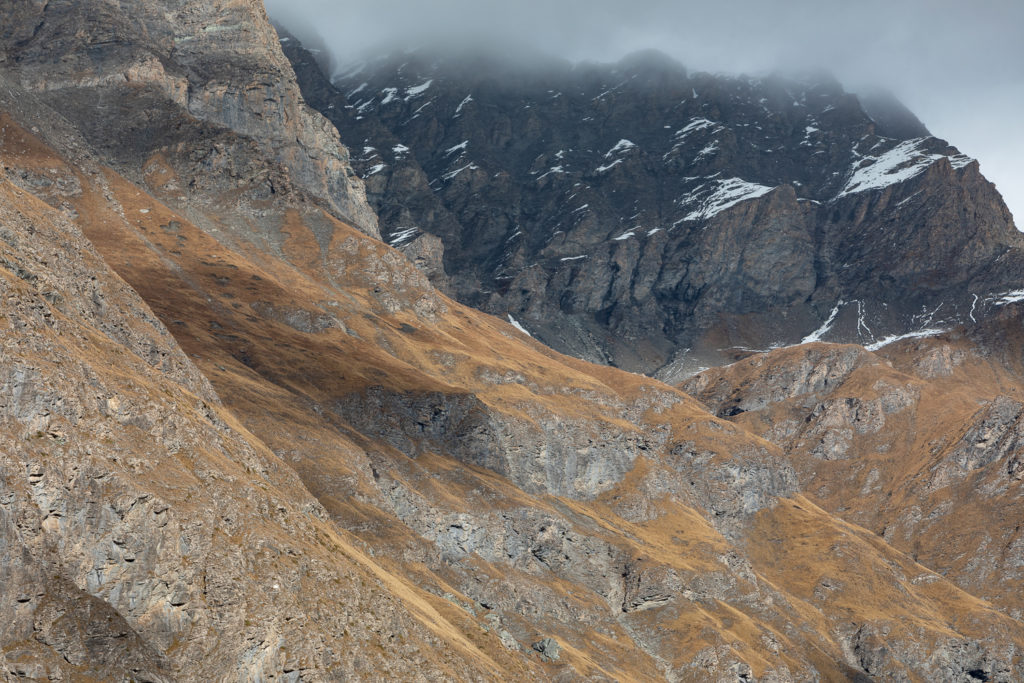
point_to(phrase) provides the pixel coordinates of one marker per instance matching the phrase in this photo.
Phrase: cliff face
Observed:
(640, 215)
(140, 78)
(335, 471)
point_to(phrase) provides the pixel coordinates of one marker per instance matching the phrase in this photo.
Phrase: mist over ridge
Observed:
(959, 68)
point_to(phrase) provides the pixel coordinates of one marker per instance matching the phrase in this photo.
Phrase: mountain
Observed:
(661, 221)
(243, 439)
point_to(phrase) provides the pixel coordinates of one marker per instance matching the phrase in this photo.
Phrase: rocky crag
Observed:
(245, 440)
(654, 219)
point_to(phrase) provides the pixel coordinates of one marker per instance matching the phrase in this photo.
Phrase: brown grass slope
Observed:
(479, 492)
(666, 555)
(920, 442)
(146, 533)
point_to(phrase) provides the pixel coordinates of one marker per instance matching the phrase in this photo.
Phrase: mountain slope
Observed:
(640, 215)
(918, 442)
(667, 534)
(393, 483)
(146, 534)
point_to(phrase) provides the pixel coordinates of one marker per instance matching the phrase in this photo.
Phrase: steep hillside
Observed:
(146, 535)
(919, 442)
(624, 516)
(639, 215)
(391, 483)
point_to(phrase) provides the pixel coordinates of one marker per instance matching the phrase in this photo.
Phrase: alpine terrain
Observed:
(642, 216)
(243, 438)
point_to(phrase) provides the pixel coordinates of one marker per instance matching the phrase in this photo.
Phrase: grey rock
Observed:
(548, 648)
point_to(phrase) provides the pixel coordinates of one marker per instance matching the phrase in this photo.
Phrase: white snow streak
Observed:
(695, 124)
(452, 174)
(901, 163)
(622, 145)
(417, 89)
(1009, 297)
(515, 324)
(461, 146)
(825, 327)
(403, 235)
(729, 192)
(607, 167)
(929, 332)
(463, 103)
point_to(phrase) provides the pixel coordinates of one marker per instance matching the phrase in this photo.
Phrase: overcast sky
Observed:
(958, 64)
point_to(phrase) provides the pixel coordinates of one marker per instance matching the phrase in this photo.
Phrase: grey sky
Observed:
(958, 65)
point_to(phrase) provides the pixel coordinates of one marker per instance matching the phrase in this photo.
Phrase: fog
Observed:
(958, 65)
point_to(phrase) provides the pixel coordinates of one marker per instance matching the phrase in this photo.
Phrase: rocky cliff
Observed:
(268, 448)
(143, 76)
(640, 215)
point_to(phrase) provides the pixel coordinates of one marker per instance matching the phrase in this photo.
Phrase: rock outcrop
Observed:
(143, 78)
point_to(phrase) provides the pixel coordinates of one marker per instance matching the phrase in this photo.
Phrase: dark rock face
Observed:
(639, 215)
(137, 81)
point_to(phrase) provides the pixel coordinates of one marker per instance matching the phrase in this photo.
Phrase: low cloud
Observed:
(959, 66)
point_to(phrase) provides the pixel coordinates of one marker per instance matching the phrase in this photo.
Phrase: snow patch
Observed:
(728, 193)
(607, 167)
(929, 332)
(708, 150)
(452, 174)
(622, 145)
(625, 236)
(515, 324)
(463, 103)
(461, 146)
(390, 95)
(825, 327)
(573, 258)
(901, 163)
(402, 235)
(417, 89)
(1009, 297)
(376, 168)
(694, 125)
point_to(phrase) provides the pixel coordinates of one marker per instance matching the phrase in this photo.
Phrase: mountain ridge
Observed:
(580, 226)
